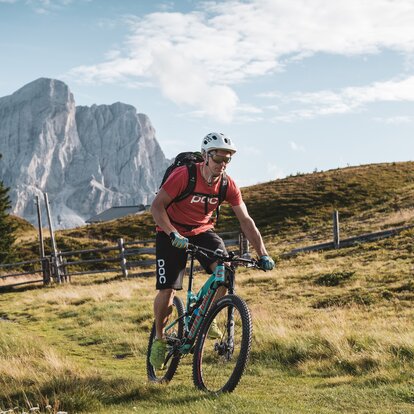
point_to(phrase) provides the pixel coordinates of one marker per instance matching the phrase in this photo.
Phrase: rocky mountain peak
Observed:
(87, 159)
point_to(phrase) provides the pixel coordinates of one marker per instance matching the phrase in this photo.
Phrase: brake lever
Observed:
(255, 264)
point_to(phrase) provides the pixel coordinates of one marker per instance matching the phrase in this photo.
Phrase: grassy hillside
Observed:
(22, 226)
(363, 195)
(333, 330)
(369, 198)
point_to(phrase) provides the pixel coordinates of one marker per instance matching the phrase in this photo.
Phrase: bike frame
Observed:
(199, 303)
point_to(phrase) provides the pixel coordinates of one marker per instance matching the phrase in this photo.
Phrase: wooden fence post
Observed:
(122, 257)
(63, 267)
(55, 258)
(46, 270)
(336, 238)
(39, 220)
(243, 245)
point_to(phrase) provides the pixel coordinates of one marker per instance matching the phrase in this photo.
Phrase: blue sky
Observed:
(299, 85)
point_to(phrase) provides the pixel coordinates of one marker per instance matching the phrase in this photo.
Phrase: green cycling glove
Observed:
(178, 241)
(266, 263)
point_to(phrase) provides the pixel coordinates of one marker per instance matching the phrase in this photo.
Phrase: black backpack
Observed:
(190, 159)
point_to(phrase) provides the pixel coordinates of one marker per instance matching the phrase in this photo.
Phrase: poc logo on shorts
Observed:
(202, 199)
(161, 271)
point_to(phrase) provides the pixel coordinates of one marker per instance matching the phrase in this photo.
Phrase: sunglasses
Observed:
(218, 159)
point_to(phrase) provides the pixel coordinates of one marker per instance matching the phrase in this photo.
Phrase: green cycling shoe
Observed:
(158, 351)
(214, 332)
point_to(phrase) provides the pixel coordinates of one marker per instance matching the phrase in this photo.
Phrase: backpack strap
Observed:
(192, 179)
(223, 187)
(222, 194)
(191, 183)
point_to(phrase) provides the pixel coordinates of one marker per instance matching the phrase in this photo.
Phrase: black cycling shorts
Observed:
(171, 261)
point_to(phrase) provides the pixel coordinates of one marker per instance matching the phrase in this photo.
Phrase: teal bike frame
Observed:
(197, 305)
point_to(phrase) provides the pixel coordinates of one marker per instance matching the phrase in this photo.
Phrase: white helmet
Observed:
(217, 141)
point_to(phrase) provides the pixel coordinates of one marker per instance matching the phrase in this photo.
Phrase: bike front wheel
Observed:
(219, 363)
(173, 336)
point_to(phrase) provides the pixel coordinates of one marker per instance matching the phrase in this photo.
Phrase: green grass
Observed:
(333, 330)
(81, 347)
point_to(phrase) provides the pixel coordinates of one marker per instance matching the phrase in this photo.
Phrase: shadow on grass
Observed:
(21, 288)
(314, 356)
(74, 394)
(288, 355)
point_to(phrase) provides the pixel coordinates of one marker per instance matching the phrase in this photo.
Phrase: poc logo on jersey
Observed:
(202, 199)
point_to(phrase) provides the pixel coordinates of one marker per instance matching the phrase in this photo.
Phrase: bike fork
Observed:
(230, 330)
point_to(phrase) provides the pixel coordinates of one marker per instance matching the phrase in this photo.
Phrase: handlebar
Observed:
(219, 254)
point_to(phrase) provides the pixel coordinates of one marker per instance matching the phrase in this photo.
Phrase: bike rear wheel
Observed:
(219, 364)
(173, 336)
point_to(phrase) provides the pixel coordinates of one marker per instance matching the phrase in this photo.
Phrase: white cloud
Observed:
(166, 6)
(395, 120)
(346, 100)
(196, 58)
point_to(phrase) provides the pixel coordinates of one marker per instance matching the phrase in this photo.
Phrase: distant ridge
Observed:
(305, 201)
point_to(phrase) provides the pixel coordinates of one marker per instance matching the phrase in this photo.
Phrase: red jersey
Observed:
(192, 210)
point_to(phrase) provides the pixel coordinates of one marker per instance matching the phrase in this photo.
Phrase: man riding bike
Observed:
(190, 220)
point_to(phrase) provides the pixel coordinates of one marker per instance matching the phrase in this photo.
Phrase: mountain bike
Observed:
(218, 363)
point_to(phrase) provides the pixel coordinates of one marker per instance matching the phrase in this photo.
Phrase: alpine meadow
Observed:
(333, 330)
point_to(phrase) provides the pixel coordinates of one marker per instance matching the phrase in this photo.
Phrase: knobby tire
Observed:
(218, 367)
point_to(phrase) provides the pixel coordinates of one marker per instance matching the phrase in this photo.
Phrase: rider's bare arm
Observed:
(159, 211)
(249, 229)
